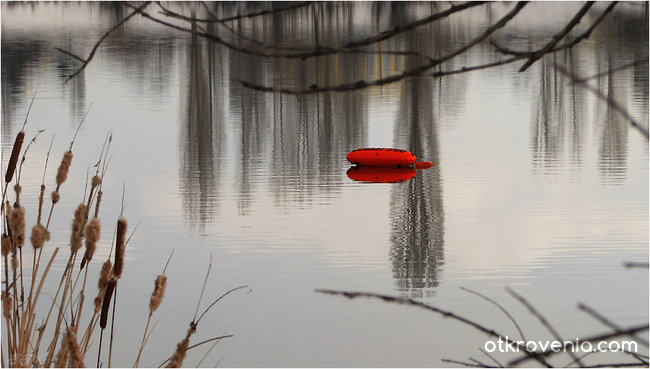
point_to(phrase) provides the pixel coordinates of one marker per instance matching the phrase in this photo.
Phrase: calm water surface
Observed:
(538, 185)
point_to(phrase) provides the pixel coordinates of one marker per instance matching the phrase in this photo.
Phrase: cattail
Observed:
(40, 203)
(70, 339)
(13, 159)
(98, 303)
(14, 262)
(6, 305)
(77, 227)
(62, 356)
(158, 293)
(93, 230)
(104, 275)
(110, 287)
(64, 167)
(39, 236)
(96, 181)
(17, 222)
(6, 244)
(99, 200)
(181, 349)
(18, 189)
(119, 248)
(55, 197)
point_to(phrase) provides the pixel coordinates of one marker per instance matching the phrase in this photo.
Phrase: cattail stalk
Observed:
(154, 302)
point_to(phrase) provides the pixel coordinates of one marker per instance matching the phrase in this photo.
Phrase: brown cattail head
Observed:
(6, 244)
(110, 287)
(158, 293)
(13, 159)
(96, 181)
(93, 230)
(98, 303)
(18, 189)
(99, 201)
(181, 349)
(77, 227)
(104, 275)
(55, 197)
(119, 248)
(64, 167)
(14, 262)
(39, 236)
(62, 357)
(6, 305)
(17, 222)
(70, 339)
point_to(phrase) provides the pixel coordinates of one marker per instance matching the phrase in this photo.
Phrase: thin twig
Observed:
(542, 320)
(220, 297)
(94, 49)
(557, 37)
(521, 333)
(608, 99)
(600, 337)
(444, 313)
(599, 317)
(416, 71)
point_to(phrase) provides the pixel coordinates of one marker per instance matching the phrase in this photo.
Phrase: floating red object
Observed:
(381, 157)
(376, 174)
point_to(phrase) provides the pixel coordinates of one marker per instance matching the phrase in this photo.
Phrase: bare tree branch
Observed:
(617, 69)
(395, 78)
(94, 49)
(543, 320)
(610, 101)
(600, 337)
(521, 333)
(599, 317)
(169, 13)
(557, 37)
(444, 313)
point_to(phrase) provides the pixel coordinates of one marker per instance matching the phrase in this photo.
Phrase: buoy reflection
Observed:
(380, 174)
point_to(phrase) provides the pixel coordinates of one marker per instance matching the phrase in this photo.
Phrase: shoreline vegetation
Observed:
(63, 338)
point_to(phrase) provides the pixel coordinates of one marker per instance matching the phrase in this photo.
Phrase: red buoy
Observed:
(381, 157)
(380, 174)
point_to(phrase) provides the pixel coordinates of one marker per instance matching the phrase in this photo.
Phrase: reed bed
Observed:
(54, 331)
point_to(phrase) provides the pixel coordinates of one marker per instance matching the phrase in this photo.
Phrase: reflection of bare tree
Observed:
(201, 136)
(417, 214)
(558, 124)
(562, 109)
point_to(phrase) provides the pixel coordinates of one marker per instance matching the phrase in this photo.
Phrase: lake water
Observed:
(538, 185)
